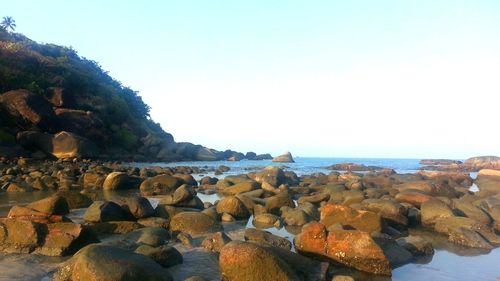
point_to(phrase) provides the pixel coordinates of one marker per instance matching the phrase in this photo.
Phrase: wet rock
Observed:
(154, 222)
(413, 197)
(208, 181)
(243, 261)
(274, 176)
(266, 219)
(315, 199)
(471, 211)
(215, 242)
(186, 179)
(183, 193)
(225, 217)
(75, 200)
(433, 210)
(416, 245)
(391, 211)
(296, 217)
(352, 248)
(139, 207)
(120, 180)
(241, 187)
(284, 158)
(115, 227)
(233, 206)
(104, 211)
(63, 239)
(194, 223)
(165, 256)
(361, 220)
(151, 236)
(451, 225)
(106, 263)
(265, 238)
(52, 205)
(19, 236)
(274, 203)
(28, 214)
(19, 187)
(92, 180)
(185, 239)
(395, 253)
(161, 184)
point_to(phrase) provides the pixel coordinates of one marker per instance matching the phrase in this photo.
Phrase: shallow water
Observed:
(450, 262)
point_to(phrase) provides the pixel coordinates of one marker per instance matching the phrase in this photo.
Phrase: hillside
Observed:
(48, 89)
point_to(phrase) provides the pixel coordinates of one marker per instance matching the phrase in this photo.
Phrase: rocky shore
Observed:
(342, 225)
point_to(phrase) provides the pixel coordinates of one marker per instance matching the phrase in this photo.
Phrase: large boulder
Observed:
(266, 238)
(433, 210)
(243, 261)
(63, 239)
(233, 206)
(107, 263)
(284, 158)
(19, 236)
(83, 123)
(60, 145)
(194, 223)
(52, 205)
(139, 207)
(120, 180)
(271, 175)
(161, 184)
(361, 220)
(351, 248)
(105, 211)
(27, 109)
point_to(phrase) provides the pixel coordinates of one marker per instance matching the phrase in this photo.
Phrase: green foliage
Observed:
(25, 64)
(5, 136)
(8, 23)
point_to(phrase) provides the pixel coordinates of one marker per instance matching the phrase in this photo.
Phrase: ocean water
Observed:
(302, 165)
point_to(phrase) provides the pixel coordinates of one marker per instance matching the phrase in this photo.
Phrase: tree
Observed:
(8, 23)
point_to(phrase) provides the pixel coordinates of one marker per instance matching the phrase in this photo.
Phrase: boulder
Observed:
(215, 242)
(241, 187)
(61, 145)
(52, 205)
(284, 158)
(19, 236)
(412, 197)
(63, 239)
(233, 206)
(106, 263)
(194, 223)
(28, 214)
(351, 248)
(161, 184)
(243, 261)
(265, 238)
(165, 256)
(361, 220)
(115, 227)
(433, 210)
(18, 187)
(104, 211)
(120, 180)
(75, 200)
(27, 109)
(139, 207)
(183, 193)
(271, 175)
(416, 245)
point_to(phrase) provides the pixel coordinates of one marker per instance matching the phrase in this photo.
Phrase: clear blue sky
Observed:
(319, 78)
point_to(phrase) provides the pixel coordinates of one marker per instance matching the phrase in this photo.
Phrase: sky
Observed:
(391, 79)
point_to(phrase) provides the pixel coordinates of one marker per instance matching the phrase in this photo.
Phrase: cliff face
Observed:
(50, 89)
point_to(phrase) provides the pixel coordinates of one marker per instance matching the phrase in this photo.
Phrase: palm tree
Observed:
(8, 23)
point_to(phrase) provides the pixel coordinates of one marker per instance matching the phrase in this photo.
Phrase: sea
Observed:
(449, 261)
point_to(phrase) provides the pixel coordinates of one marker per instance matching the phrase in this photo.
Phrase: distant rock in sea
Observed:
(284, 158)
